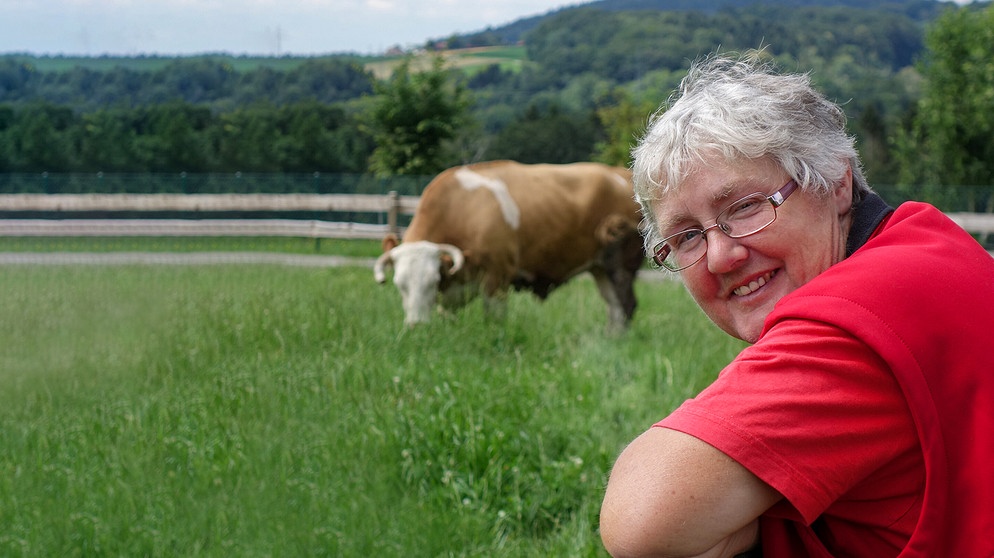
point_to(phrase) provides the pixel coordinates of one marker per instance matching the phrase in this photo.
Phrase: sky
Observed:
(255, 27)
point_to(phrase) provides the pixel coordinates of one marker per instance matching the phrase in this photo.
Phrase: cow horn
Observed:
(455, 254)
(379, 268)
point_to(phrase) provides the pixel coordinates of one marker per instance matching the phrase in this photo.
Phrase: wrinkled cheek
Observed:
(720, 315)
(712, 307)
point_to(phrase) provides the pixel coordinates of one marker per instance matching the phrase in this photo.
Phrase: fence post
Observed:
(393, 212)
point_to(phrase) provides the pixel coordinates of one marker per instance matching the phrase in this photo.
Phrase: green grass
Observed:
(269, 411)
(511, 57)
(516, 52)
(356, 248)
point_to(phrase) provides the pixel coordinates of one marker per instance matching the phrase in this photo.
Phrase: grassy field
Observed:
(154, 63)
(327, 246)
(271, 411)
(469, 59)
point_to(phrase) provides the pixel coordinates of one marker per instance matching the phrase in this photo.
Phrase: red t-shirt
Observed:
(868, 401)
(815, 420)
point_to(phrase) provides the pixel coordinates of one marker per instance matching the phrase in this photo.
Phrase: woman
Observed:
(859, 422)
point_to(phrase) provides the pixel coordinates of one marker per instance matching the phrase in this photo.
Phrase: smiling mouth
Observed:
(754, 285)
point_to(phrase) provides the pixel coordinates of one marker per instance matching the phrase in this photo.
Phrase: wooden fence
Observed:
(393, 205)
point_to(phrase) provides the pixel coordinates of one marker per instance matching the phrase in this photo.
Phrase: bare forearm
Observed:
(672, 495)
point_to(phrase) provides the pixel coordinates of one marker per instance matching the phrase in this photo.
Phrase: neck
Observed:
(863, 220)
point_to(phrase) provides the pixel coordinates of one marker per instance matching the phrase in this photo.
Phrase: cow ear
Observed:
(389, 242)
(613, 228)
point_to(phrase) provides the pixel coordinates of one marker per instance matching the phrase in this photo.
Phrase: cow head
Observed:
(418, 268)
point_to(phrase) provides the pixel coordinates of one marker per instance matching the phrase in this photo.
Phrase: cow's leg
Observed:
(457, 295)
(618, 291)
(495, 292)
(620, 263)
(496, 306)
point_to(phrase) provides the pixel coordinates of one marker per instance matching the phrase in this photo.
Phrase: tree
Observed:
(552, 136)
(247, 138)
(6, 149)
(624, 123)
(412, 116)
(951, 141)
(39, 139)
(174, 138)
(318, 137)
(106, 141)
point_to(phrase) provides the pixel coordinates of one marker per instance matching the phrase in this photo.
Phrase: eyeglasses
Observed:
(747, 216)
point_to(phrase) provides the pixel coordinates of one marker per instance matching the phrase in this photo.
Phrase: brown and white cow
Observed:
(487, 227)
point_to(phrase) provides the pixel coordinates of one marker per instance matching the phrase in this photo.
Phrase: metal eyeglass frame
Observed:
(662, 249)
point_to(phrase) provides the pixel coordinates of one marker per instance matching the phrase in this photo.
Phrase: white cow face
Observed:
(418, 268)
(416, 275)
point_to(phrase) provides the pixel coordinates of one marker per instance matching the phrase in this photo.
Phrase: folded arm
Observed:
(671, 494)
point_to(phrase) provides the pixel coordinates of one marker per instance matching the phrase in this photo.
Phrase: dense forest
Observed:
(586, 79)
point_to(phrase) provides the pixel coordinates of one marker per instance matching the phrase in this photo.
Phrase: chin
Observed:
(746, 332)
(750, 336)
(741, 325)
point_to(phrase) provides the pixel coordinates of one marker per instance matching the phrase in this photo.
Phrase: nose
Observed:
(724, 252)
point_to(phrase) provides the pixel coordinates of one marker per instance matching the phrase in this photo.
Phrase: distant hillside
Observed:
(618, 41)
(552, 88)
(918, 9)
(513, 33)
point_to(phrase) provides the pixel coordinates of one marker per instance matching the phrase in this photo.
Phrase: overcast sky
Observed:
(265, 27)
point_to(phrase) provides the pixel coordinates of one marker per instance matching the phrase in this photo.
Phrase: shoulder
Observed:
(918, 265)
(783, 402)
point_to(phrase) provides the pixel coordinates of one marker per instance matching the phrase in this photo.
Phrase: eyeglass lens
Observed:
(747, 216)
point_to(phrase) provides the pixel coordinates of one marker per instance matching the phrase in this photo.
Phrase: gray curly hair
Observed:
(742, 108)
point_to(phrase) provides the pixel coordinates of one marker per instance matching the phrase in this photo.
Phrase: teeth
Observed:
(753, 286)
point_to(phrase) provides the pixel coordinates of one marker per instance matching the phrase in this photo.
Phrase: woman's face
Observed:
(740, 280)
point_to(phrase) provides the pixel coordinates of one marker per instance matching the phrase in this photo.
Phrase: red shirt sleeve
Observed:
(814, 413)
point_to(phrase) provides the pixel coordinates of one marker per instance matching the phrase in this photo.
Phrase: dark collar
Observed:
(866, 217)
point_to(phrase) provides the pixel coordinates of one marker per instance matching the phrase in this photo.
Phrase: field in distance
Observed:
(508, 57)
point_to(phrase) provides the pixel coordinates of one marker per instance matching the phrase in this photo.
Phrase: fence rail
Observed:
(392, 204)
(191, 228)
(975, 223)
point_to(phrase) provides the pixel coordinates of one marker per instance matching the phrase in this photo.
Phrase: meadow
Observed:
(274, 411)
(510, 58)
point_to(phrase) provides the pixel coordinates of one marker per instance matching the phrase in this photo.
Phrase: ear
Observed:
(389, 242)
(613, 228)
(447, 260)
(446, 263)
(843, 193)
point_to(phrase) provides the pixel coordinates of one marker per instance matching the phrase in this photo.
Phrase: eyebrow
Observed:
(721, 197)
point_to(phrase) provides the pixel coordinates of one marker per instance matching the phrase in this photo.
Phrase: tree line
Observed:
(178, 136)
(914, 81)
